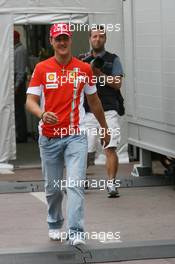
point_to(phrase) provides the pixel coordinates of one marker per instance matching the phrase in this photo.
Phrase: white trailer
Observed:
(149, 35)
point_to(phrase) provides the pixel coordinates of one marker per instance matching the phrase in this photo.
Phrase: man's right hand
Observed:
(49, 118)
(105, 140)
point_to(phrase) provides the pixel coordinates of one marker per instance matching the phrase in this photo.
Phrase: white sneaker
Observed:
(112, 191)
(54, 234)
(76, 241)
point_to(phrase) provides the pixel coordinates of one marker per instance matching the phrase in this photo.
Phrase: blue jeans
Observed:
(55, 152)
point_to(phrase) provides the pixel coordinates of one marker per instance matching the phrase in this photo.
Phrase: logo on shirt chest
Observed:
(51, 77)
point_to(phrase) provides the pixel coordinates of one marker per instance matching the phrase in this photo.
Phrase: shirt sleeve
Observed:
(36, 85)
(117, 68)
(90, 87)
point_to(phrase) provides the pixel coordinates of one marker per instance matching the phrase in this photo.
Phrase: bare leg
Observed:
(112, 169)
(111, 163)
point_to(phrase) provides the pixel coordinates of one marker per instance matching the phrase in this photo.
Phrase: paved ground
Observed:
(35, 174)
(93, 172)
(139, 214)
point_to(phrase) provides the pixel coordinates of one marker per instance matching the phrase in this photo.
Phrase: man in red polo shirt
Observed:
(59, 83)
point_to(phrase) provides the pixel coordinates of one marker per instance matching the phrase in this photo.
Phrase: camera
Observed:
(98, 62)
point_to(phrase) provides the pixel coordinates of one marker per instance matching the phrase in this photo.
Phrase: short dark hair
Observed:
(97, 27)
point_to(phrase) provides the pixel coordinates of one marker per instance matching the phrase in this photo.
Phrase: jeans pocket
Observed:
(43, 141)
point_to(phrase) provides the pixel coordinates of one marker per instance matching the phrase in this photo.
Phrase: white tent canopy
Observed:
(43, 12)
(59, 6)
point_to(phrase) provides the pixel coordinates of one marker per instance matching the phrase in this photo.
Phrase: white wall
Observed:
(150, 74)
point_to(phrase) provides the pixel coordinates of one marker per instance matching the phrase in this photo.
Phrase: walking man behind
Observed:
(109, 81)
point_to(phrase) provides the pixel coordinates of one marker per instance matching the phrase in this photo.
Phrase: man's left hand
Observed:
(97, 72)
